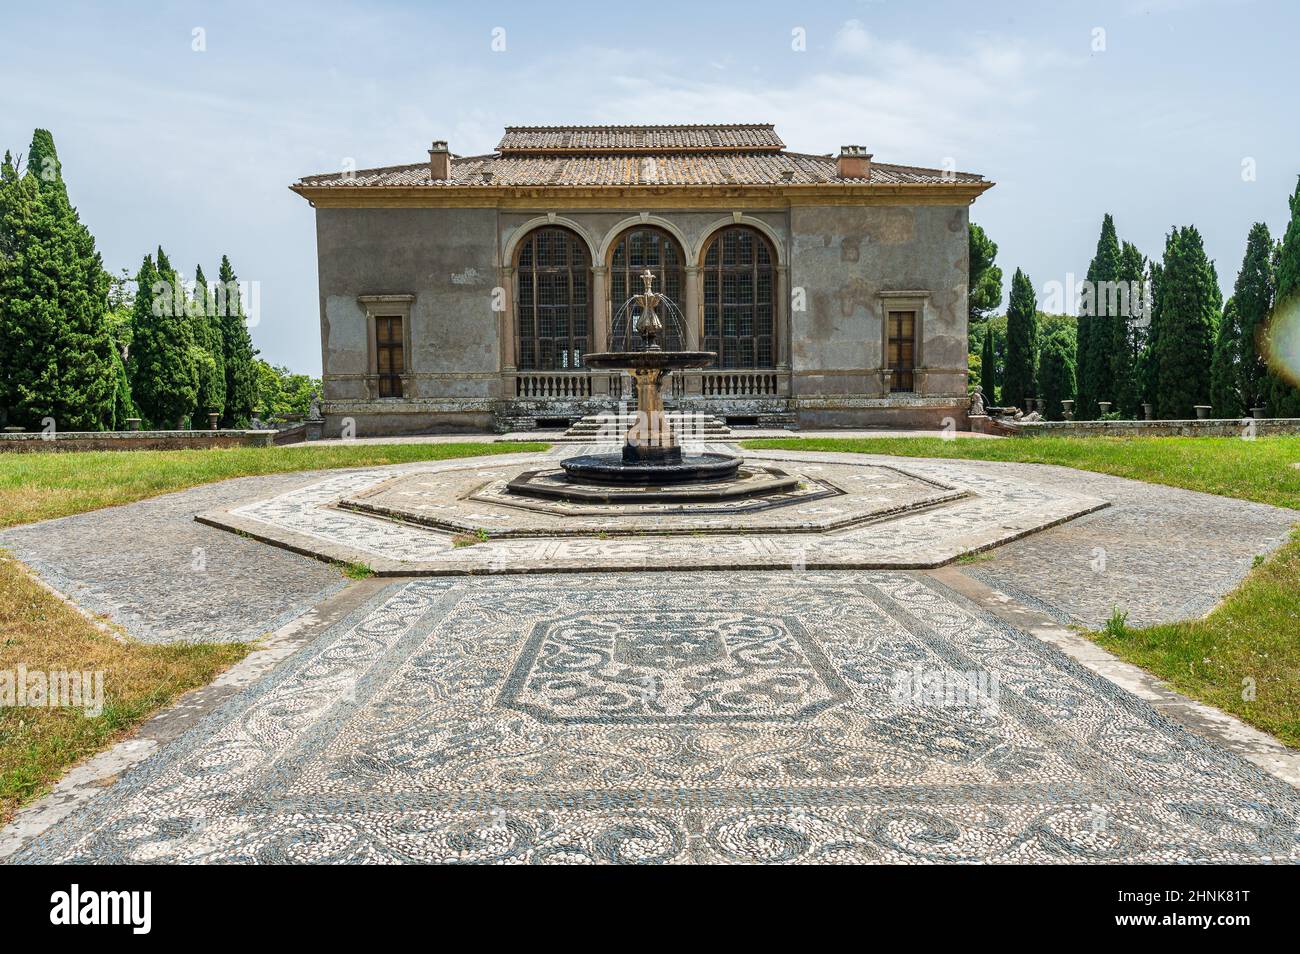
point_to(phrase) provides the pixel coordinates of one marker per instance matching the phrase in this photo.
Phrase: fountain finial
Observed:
(648, 324)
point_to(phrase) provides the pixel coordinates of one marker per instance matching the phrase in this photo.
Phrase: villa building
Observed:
(461, 293)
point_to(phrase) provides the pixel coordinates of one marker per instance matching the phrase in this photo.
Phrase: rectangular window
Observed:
(391, 361)
(902, 349)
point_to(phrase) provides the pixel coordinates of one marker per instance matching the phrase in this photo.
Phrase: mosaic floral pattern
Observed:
(437, 725)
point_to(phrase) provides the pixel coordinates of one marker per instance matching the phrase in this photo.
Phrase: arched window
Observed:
(552, 300)
(739, 298)
(636, 250)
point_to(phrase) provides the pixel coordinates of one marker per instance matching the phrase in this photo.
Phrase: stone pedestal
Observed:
(650, 437)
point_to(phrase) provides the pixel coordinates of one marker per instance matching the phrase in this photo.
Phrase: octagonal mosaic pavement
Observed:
(846, 514)
(738, 717)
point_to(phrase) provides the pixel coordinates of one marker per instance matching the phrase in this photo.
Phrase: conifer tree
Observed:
(209, 359)
(1225, 367)
(1284, 375)
(56, 359)
(1096, 336)
(989, 367)
(1056, 374)
(1126, 330)
(1253, 294)
(1188, 319)
(241, 373)
(1018, 374)
(163, 380)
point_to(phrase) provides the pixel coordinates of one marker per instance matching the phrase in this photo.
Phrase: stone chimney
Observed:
(439, 160)
(854, 163)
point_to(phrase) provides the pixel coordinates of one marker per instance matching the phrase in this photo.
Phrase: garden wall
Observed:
(36, 441)
(1220, 427)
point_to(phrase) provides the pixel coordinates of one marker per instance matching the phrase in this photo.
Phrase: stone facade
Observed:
(437, 245)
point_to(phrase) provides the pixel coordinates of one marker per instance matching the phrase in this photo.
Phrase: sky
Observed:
(183, 124)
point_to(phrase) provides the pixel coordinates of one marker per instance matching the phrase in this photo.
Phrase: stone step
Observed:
(693, 425)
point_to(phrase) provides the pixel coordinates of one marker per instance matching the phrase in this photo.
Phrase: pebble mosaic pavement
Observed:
(740, 717)
(733, 716)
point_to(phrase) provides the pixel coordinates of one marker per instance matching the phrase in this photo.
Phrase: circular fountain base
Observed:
(616, 469)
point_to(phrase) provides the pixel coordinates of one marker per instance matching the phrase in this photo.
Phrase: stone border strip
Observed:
(1204, 720)
(86, 780)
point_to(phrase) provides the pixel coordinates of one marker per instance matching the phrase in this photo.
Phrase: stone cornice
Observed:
(639, 197)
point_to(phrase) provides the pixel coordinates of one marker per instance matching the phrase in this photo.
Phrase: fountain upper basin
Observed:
(649, 360)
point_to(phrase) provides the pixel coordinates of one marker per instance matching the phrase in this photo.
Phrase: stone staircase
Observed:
(610, 428)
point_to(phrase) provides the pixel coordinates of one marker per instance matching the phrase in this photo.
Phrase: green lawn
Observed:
(42, 633)
(38, 486)
(1249, 642)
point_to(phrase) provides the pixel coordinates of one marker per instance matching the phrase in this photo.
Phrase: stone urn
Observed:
(1258, 413)
(1148, 412)
(1105, 407)
(1203, 412)
(1067, 409)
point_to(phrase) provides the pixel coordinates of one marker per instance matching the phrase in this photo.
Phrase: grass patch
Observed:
(356, 571)
(1244, 657)
(1228, 466)
(39, 486)
(42, 633)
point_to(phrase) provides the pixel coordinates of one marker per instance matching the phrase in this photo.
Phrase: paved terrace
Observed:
(761, 713)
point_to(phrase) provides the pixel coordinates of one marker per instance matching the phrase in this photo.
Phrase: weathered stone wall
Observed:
(846, 260)
(446, 258)
(1221, 427)
(36, 442)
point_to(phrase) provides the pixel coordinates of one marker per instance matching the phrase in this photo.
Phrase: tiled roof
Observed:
(621, 170)
(749, 137)
(616, 156)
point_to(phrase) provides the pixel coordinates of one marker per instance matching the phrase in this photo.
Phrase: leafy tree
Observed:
(164, 383)
(1225, 366)
(1284, 375)
(989, 368)
(1096, 376)
(1188, 318)
(1056, 373)
(985, 277)
(238, 352)
(1022, 334)
(56, 353)
(282, 393)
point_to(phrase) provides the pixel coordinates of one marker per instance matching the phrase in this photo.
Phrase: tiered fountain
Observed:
(652, 454)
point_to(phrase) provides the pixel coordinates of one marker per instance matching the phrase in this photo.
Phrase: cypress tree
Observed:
(241, 373)
(1056, 374)
(163, 380)
(1096, 337)
(989, 367)
(1284, 367)
(1018, 375)
(1188, 316)
(57, 357)
(209, 360)
(1126, 330)
(1225, 367)
(1253, 294)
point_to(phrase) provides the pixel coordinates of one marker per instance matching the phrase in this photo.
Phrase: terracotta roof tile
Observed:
(662, 156)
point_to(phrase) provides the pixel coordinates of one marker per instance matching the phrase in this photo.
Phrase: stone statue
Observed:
(313, 409)
(977, 402)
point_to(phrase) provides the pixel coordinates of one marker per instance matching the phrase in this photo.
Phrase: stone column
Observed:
(599, 340)
(506, 320)
(691, 309)
(781, 319)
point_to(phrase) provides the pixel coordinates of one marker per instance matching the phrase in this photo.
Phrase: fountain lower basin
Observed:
(651, 472)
